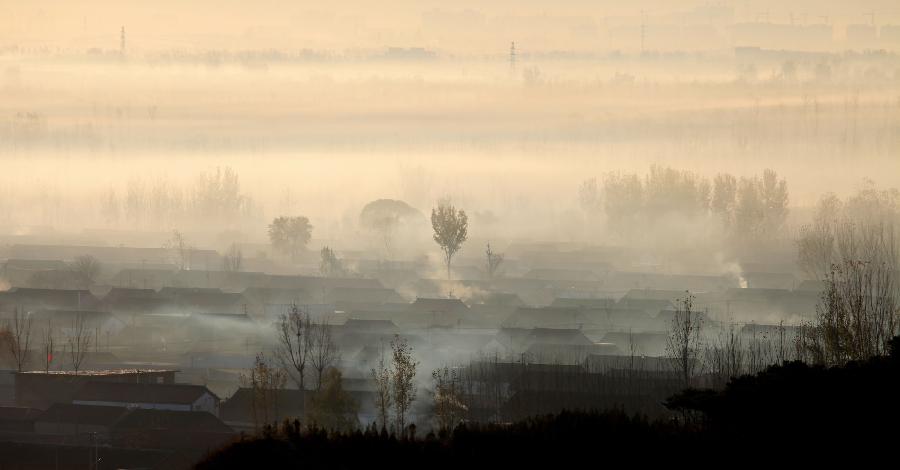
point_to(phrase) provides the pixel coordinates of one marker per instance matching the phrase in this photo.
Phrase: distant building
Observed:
(39, 389)
(170, 397)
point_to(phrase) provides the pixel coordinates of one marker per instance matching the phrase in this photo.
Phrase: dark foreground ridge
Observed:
(792, 406)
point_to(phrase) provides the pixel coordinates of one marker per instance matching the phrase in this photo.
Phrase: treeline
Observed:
(747, 207)
(213, 196)
(793, 403)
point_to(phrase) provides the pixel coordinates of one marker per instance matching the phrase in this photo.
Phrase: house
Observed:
(20, 272)
(241, 411)
(496, 299)
(671, 295)
(554, 274)
(17, 419)
(189, 434)
(204, 300)
(362, 295)
(508, 341)
(559, 336)
(436, 311)
(617, 363)
(356, 325)
(172, 397)
(127, 302)
(270, 302)
(616, 318)
(769, 280)
(547, 317)
(583, 303)
(649, 306)
(27, 299)
(641, 343)
(77, 419)
(552, 353)
(39, 389)
(144, 278)
(665, 319)
(178, 422)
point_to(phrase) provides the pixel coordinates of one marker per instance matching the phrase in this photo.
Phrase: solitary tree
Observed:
(492, 262)
(403, 387)
(683, 345)
(18, 337)
(179, 249)
(78, 340)
(381, 376)
(290, 234)
(48, 346)
(324, 351)
(295, 340)
(450, 230)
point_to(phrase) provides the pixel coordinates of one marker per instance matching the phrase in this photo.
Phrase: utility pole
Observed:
(512, 57)
(122, 42)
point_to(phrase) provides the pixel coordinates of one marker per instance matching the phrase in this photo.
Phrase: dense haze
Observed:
(301, 100)
(158, 157)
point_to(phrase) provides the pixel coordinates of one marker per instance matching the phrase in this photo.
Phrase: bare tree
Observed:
(78, 340)
(48, 346)
(179, 248)
(403, 387)
(724, 357)
(324, 350)
(683, 345)
(18, 338)
(381, 375)
(295, 339)
(86, 269)
(233, 260)
(451, 229)
(492, 262)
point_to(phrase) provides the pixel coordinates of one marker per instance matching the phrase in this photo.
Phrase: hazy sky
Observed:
(462, 27)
